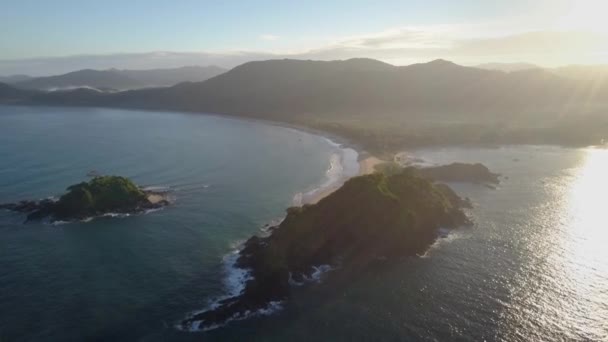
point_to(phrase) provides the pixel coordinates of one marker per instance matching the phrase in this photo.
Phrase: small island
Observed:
(370, 219)
(456, 172)
(461, 172)
(101, 195)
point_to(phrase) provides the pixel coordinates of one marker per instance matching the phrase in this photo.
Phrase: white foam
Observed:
(315, 277)
(298, 199)
(59, 223)
(270, 308)
(110, 215)
(293, 282)
(153, 210)
(235, 278)
(319, 271)
(406, 159)
(198, 326)
(444, 236)
(235, 281)
(343, 165)
(158, 188)
(443, 232)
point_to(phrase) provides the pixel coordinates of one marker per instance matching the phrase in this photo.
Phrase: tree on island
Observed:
(99, 196)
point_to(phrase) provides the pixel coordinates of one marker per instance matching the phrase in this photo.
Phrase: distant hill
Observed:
(296, 89)
(14, 78)
(384, 106)
(170, 77)
(11, 95)
(583, 72)
(114, 79)
(508, 67)
(107, 79)
(574, 72)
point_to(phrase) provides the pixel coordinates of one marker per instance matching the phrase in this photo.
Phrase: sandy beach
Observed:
(366, 167)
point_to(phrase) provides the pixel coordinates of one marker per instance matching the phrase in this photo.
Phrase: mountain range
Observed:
(380, 105)
(114, 79)
(508, 67)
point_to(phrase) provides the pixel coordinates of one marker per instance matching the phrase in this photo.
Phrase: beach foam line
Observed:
(343, 165)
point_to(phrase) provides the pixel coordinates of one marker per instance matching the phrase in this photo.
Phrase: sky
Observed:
(46, 37)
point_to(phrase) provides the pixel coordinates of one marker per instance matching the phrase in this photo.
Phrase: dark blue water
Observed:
(133, 277)
(533, 268)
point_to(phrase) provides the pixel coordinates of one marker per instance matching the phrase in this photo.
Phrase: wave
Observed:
(157, 188)
(315, 277)
(444, 236)
(269, 309)
(343, 165)
(406, 159)
(108, 215)
(235, 279)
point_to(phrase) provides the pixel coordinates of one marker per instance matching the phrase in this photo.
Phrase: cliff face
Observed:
(370, 218)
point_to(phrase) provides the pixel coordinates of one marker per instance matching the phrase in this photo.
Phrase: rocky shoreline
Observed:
(98, 197)
(461, 172)
(371, 218)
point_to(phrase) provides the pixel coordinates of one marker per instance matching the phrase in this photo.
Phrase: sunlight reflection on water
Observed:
(566, 283)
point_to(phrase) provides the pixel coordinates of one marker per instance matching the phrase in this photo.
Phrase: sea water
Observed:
(534, 266)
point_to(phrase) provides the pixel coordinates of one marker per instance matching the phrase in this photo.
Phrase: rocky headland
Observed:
(460, 172)
(371, 218)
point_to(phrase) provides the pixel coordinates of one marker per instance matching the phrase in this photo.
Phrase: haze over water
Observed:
(534, 266)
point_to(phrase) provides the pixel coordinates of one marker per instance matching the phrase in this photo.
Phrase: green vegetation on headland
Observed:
(370, 218)
(100, 195)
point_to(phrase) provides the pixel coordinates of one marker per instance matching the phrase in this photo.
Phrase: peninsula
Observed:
(369, 219)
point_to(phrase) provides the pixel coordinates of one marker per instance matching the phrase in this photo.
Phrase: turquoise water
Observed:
(135, 276)
(534, 267)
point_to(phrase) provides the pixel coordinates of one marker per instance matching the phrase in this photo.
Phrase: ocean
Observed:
(534, 267)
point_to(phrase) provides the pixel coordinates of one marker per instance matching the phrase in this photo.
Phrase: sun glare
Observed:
(587, 15)
(588, 233)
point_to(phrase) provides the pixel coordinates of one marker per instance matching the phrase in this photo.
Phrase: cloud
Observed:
(269, 37)
(406, 37)
(458, 43)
